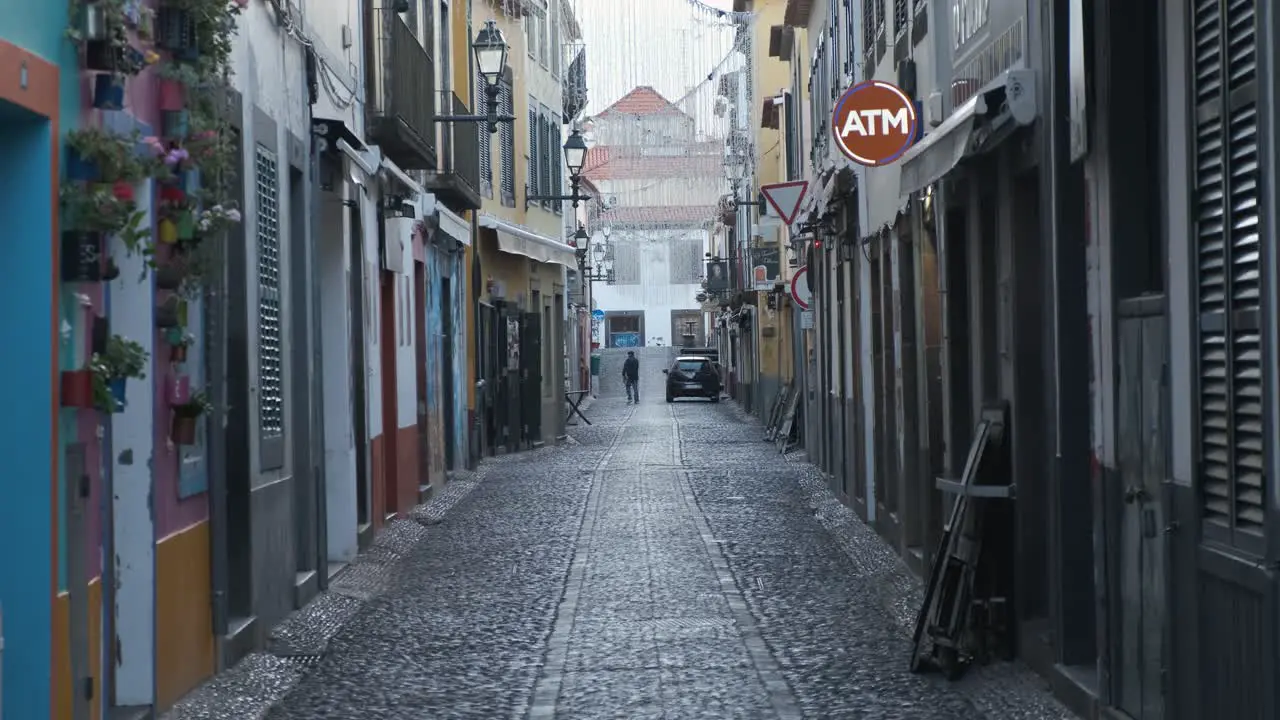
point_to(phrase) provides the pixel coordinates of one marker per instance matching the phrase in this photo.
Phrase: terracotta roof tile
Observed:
(643, 100)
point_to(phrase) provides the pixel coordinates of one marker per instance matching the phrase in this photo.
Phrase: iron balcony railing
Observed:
(460, 146)
(402, 109)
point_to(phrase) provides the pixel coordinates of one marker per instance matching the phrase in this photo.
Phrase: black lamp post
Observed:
(736, 168)
(575, 156)
(490, 49)
(580, 241)
(602, 271)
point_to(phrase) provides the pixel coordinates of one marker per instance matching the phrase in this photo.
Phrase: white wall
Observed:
(334, 269)
(401, 230)
(655, 294)
(133, 562)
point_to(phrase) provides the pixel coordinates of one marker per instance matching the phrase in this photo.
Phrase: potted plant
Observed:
(112, 369)
(186, 418)
(169, 276)
(178, 348)
(76, 388)
(108, 91)
(170, 313)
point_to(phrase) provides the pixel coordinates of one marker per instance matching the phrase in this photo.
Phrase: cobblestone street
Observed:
(662, 563)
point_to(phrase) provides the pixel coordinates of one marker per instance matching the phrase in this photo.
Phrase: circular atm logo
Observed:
(874, 123)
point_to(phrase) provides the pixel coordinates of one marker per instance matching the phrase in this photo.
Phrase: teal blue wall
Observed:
(25, 438)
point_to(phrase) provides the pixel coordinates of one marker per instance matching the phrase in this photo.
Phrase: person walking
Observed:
(631, 377)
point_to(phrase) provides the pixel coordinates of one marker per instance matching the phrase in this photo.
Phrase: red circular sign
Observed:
(874, 123)
(799, 288)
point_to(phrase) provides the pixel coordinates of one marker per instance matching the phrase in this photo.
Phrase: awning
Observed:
(941, 150)
(453, 225)
(516, 240)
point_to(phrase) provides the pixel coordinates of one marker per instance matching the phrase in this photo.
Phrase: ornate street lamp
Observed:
(490, 49)
(575, 157)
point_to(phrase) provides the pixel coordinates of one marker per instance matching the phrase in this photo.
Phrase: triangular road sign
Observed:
(785, 198)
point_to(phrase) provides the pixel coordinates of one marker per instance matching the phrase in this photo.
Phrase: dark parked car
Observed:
(693, 376)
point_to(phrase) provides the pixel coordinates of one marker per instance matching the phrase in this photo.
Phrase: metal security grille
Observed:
(900, 18)
(1227, 219)
(486, 151)
(270, 353)
(868, 30)
(507, 137)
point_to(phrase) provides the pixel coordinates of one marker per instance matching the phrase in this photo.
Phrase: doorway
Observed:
(360, 327)
(448, 389)
(389, 339)
(420, 373)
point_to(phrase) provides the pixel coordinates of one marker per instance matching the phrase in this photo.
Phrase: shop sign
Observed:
(874, 123)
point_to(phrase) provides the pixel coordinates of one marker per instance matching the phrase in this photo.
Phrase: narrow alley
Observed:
(663, 562)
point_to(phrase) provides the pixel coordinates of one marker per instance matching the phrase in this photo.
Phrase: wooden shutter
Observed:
(535, 152)
(546, 145)
(557, 166)
(507, 138)
(1227, 199)
(486, 150)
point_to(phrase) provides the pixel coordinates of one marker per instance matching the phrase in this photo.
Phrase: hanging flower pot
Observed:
(101, 55)
(176, 32)
(175, 123)
(182, 430)
(93, 21)
(169, 277)
(171, 193)
(80, 168)
(108, 91)
(111, 271)
(186, 226)
(81, 256)
(167, 231)
(178, 353)
(122, 190)
(99, 334)
(146, 24)
(118, 387)
(76, 388)
(169, 314)
(171, 95)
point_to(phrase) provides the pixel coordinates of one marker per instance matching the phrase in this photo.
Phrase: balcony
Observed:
(402, 93)
(456, 181)
(574, 88)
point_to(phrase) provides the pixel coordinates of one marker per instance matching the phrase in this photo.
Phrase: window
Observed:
(850, 56)
(535, 31)
(900, 11)
(270, 351)
(792, 129)
(834, 58)
(486, 150)
(507, 139)
(626, 263)
(557, 52)
(684, 261)
(446, 74)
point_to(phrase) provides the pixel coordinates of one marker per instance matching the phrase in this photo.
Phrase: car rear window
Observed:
(690, 367)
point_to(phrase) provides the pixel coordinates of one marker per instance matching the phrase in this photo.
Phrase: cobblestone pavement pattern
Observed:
(664, 563)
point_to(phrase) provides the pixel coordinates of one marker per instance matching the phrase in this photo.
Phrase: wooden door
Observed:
(1142, 430)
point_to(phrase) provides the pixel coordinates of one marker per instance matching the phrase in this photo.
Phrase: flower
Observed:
(233, 215)
(242, 3)
(176, 156)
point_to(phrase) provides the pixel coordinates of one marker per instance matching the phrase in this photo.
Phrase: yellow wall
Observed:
(772, 74)
(184, 625)
(61, 644)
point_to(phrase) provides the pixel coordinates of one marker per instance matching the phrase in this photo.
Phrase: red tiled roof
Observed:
(666, 215)
(612, 163)
(643, 100)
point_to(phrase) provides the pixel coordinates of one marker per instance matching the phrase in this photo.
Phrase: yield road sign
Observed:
(800, 292)
(785, 198)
